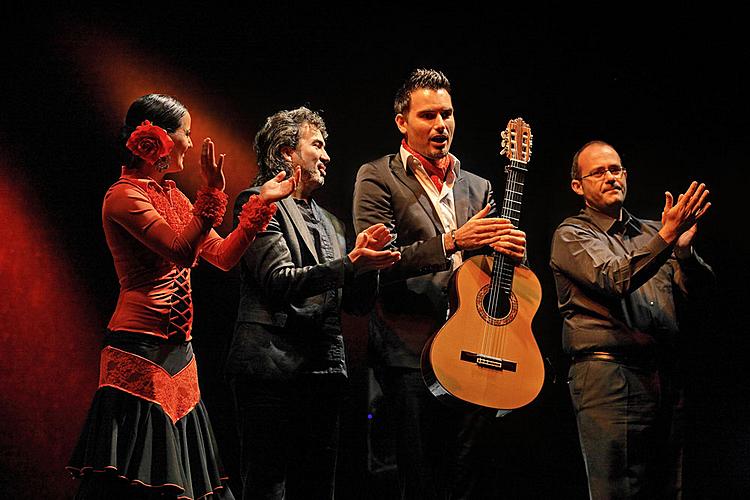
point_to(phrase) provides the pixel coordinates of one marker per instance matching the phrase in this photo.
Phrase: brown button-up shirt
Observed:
(618, 282)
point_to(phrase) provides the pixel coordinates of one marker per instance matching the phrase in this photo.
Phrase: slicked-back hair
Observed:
(575, 171)
(282, 129)
(161, 110)
(419, 79)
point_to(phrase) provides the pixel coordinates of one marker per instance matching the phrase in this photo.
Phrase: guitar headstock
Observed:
(516, 141)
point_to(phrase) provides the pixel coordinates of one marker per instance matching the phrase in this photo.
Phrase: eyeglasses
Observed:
(616, 170)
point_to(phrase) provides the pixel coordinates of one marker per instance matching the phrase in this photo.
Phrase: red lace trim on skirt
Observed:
(134, 482)
(128, 372)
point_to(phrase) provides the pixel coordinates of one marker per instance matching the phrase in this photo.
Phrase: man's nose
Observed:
(324, 156)
(439, 123)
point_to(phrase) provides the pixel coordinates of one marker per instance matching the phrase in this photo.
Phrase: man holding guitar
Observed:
(439, 214)
(619, 282)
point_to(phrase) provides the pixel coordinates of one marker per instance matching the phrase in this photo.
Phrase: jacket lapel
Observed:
(406, 176)
(461, 199)
(290, 207)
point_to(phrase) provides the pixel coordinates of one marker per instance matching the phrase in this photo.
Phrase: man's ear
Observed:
(287, 152)
(576, 186)
(401, 123)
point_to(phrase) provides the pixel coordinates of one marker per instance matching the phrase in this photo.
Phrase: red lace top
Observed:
(155, 240)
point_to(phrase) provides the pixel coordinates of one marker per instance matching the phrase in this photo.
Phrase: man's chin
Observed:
(438, 154)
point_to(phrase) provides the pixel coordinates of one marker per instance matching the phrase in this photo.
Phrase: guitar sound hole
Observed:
(498, 308)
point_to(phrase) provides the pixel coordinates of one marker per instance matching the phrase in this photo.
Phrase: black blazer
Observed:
(285, 325)
(413, 300)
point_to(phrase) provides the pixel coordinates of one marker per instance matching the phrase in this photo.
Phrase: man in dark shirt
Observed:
(286, 361)
(619, 282)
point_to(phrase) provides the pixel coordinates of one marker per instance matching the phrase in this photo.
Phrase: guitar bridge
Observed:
(488, 361)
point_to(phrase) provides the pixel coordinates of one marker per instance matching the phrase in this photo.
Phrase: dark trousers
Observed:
(288, 436)
(630, 426)
(437, 446)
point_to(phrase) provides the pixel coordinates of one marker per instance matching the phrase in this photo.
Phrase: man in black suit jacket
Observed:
(286, 362)
(438, 214)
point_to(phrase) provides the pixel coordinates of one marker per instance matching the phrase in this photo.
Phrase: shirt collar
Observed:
(405, 155)
(310, 205)
(627, 223)
(145, 181)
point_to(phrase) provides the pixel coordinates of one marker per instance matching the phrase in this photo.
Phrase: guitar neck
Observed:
(503, 269)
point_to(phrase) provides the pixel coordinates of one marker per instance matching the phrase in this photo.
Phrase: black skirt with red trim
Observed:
(131, 448)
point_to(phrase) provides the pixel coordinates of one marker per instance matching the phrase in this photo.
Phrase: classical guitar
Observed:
(486, 354)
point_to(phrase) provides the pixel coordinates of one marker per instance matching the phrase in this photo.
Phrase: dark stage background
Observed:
(666, 91)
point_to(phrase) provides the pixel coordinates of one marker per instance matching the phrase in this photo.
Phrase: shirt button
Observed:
(651, 302)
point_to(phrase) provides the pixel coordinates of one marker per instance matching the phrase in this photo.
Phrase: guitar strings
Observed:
(513, 212)
(499, 332)
(494, 338)
(491, 332)
(506, 282)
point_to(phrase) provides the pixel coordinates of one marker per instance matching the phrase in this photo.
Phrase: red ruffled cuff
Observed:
(256, 214)
(211, 203)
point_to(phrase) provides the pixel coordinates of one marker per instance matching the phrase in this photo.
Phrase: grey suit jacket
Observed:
(287, 324)
(413, 299)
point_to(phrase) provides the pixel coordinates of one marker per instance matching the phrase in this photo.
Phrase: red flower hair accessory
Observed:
(149, 142)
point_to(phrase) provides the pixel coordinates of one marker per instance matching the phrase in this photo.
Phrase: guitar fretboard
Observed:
(502, 270)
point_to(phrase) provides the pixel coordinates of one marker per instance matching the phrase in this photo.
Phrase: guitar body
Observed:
(486, 354)
(478, 357)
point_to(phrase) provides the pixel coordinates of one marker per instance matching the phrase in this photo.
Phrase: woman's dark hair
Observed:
(161, 110)
(283, 129)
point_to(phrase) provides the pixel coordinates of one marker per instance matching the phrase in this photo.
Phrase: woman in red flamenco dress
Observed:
(147, 434)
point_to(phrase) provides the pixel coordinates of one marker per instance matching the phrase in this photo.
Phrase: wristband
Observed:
(456, 246)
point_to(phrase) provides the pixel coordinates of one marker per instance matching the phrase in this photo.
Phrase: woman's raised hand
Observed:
(210, 170)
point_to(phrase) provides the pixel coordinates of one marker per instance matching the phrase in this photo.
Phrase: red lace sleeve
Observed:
(211, 203)
(256, 215)
(225, 253)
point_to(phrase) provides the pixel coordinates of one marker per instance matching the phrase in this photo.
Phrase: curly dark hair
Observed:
(419, 79)
(282, 129)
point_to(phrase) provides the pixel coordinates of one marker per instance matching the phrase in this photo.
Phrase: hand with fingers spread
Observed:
(368, 253)
(211, 171)
(375, 237)
(679, 219)
(279, 188)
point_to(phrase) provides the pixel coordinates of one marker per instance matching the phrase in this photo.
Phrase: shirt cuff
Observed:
(442, 243)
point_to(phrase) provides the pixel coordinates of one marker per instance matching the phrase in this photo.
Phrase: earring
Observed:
(162, 164)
